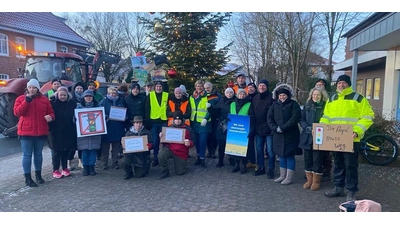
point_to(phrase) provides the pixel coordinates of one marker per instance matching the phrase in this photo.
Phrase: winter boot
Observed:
(270, 174)
(203, 163)
(198, 161)
(309, 176)
(335, 192)
(28, 180)
(92, 172)
(85, 170)
(259, 171)
(282, 175)
(351, 196)
(236, 168)
(289, 177)
(80, 165)
(39, 178)
(164, 174)
(316, 181)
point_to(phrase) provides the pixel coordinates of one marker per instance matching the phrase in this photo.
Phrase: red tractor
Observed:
(81, 66)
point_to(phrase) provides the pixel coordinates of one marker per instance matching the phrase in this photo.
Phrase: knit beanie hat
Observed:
(135, 85)
(344, 78)
(183, 88)
(88, 93)
(33, 82)
(264, 81)
(239, 91)
(253, 85)
(229, 90)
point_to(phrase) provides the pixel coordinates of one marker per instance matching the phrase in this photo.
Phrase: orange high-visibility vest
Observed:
(182, 108)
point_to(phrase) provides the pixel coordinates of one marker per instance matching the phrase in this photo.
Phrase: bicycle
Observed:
(379, 149)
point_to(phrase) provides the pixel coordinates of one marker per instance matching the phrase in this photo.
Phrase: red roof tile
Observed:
(43, 23)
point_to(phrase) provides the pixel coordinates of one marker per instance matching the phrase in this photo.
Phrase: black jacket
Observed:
(261, 104)
(311, 113)
(285, 115)
(223, 107)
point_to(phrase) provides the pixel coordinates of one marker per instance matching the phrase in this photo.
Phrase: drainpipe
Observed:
(354, 70)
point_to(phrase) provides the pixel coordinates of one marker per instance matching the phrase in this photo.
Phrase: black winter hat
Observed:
(284, 91)
(135, 85)
(264, 81)
(253, 85)
(178, 115)
(344, 78)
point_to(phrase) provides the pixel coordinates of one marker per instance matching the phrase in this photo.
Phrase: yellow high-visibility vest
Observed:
(200, 110)
(158, 111)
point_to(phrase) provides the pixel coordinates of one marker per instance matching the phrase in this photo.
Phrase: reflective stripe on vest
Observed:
(158, 111)
(200, 110)
(182, 108)
(244, 111)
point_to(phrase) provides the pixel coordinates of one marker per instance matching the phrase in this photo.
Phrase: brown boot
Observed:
(316, 184)
(309, 182)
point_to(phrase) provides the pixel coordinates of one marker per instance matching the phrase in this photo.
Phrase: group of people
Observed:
(278, 127)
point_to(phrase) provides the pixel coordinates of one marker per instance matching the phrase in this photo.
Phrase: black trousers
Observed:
(313, 160)
(59, 158)
(212, 142)
(251, 150)
(345, 170)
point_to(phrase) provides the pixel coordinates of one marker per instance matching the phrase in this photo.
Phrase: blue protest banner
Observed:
(236, 139)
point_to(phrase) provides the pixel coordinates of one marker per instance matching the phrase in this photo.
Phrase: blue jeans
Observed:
(156, 128)
(260, 142)
(201, 144)
(288, 162)
(89, 157)
(32, 146)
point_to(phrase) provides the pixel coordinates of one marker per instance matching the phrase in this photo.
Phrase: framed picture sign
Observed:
(90, 121)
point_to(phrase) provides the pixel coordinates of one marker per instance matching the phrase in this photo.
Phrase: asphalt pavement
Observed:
(208, 189)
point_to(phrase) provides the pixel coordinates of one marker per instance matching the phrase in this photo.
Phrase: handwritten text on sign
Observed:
(333, 137)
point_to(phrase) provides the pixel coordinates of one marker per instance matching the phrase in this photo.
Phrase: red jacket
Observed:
(181, 150)
(31, 115)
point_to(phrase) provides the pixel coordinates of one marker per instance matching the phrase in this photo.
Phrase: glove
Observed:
(278, 130)
(308, 129)
(208, 105)
(203, 123)
(149, 146)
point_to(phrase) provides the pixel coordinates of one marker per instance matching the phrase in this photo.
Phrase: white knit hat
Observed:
(33, 82)
(183, 88)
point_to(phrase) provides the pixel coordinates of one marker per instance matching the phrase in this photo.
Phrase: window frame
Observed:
(359, 86)
(368, 88)
(63, 50)
(4, 43)
(20, 41)
(375, 89)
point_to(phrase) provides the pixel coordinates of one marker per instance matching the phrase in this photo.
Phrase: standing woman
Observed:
(89, 145)
(223, 107)
(283, 118)
(115, 129)
(199, 121)
(313, 160)
(34, 111)
(62, 130)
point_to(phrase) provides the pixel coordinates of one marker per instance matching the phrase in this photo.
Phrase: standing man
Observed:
(347, 107)
(240, 83)
(213, 97)
(156, 110)
(261, 104)
(135, 105)
(148, 88)
(251, 149)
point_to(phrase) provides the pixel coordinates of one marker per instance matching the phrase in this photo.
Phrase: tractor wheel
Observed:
(7, 117)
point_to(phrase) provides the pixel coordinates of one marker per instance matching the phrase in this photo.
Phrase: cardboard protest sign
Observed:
(333, 137)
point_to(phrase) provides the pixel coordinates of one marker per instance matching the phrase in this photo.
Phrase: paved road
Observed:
(200, 190)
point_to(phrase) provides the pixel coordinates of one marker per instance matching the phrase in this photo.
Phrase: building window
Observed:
(377, 88)
(3, 44)
(359, 86)
(4, 76)
(21, 46)
(368, 89)
(63, 48)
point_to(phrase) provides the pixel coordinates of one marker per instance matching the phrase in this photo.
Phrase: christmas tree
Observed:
(189, 39)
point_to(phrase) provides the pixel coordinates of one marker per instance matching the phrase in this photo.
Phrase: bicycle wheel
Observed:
(379, 149)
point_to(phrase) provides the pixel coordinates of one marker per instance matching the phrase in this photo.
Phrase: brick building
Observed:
(33, 31)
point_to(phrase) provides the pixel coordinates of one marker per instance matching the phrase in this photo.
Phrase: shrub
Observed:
(382, 125)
